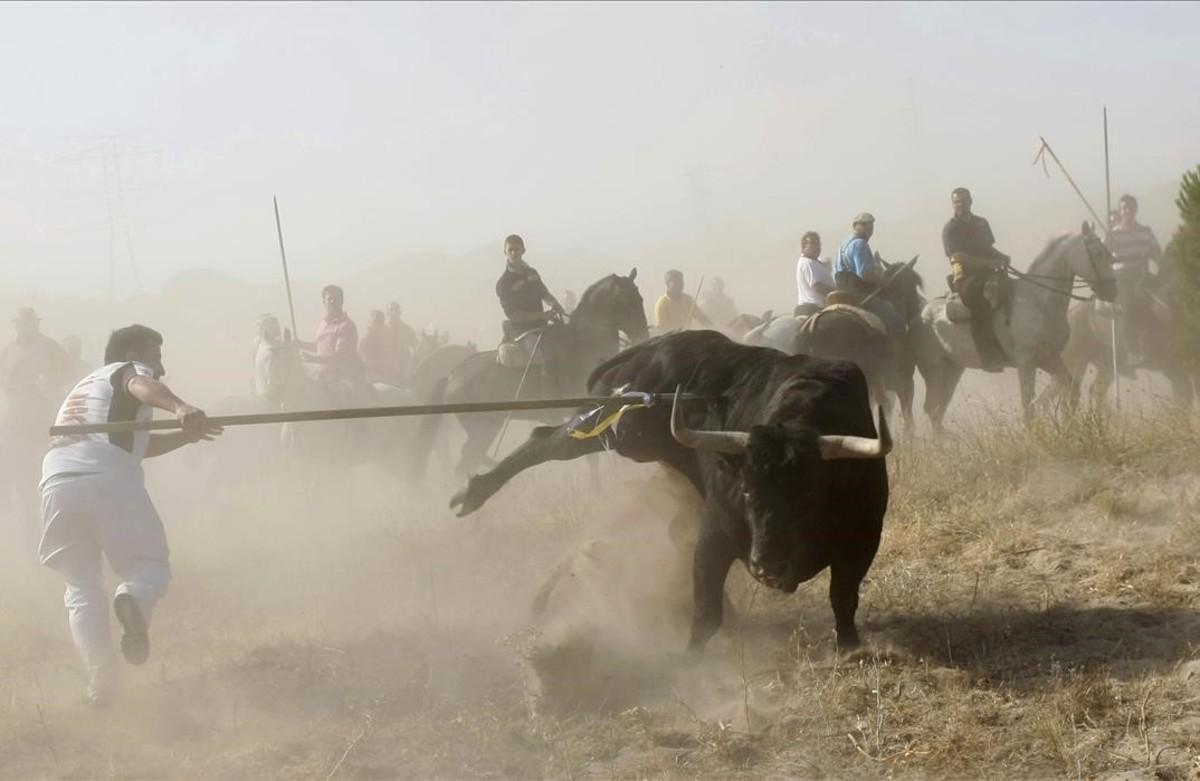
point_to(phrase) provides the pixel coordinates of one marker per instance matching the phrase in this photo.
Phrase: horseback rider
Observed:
(522, 293)
(814, 279)
(1133, 246)
(402, 340)
(334, 351)
(675, 309)
(34, 373)
(34, 368)
(968, 242)
(269, 337)
(376, 349)
(719, 307)
(858, 273)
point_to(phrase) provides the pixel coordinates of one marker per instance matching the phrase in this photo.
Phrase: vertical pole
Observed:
(1107, 240)
(287, 282)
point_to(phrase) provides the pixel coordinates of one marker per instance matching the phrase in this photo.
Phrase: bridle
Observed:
(1076, 284)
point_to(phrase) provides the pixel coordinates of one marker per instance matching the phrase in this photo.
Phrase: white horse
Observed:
(1032, 328)
(777, 332)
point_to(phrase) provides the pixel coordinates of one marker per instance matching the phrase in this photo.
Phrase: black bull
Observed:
(789, 465)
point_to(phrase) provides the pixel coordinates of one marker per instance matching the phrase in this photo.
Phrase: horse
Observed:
(427, 343)
(738, 327)
(1032, 327)
(434, 364)
(1090, 344)
(609, 308)
(837, 331)
(849, 332)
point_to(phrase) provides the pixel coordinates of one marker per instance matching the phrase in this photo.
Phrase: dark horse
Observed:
(904, 291)
(607, 309)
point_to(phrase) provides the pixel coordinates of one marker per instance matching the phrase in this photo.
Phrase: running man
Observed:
(94, 502)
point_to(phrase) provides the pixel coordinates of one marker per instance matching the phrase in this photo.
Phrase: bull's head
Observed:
(782, 478)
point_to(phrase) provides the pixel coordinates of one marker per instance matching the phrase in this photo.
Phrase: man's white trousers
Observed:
(83, 517)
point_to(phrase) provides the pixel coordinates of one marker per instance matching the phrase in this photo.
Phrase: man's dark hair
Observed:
(513, 238)
(1129, 199)
(960, 191)
(131, 337)
(337, 291)
(809, 235)
(673, 273)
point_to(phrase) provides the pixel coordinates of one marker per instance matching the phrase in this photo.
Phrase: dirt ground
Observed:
(1034, 612)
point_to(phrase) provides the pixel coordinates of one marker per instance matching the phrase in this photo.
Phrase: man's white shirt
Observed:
(810, 272)
(100, 397)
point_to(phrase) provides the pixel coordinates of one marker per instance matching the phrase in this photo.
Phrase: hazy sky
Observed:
(615, 129)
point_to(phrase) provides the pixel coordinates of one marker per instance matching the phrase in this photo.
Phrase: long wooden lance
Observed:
(1108, 240)
(1041, 158)
(287, 282)
(357, 413)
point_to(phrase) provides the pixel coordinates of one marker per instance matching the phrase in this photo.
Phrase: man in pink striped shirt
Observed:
(1133, 246)
(335, 349)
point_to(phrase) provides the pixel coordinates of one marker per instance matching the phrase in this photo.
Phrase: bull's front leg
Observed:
(845, 577)
(546, 443)
(714, 556)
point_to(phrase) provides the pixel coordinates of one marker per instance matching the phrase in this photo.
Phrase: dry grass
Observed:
(1034, 612)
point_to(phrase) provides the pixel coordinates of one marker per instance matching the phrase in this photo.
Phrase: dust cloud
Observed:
(308, 596)
(328, 615)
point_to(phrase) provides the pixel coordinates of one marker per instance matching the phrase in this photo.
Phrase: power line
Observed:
(109, 152)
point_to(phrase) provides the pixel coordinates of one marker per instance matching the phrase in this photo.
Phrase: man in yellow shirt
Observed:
(676, 309)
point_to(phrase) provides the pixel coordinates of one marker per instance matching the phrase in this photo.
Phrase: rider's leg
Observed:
(1128, 290)
(971, 289)
(888, 314)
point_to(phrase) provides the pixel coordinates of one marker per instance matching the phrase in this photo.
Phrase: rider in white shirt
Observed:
(814, 279)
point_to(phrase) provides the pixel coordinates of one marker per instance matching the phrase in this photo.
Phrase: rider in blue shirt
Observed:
(859, 270)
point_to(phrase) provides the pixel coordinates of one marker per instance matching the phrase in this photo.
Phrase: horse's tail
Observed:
(427, 433)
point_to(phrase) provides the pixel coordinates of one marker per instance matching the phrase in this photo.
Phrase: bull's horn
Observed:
(731, 442)
(834, 446)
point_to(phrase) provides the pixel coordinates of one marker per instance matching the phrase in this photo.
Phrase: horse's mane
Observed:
(919, 279)
(1053, 247)
(589, 296)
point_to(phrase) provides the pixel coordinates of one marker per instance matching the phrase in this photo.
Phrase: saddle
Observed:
(997, 290)
(522, 350)
(872, 320)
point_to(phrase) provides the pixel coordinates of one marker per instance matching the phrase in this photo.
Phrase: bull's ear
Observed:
(633, 274)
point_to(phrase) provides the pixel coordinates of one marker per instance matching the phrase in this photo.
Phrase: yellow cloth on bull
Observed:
(605, 424)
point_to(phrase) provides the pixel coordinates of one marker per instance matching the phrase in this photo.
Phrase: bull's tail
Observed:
(423, 452)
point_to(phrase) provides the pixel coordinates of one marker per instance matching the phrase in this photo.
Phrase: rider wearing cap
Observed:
(859, 272)
(968, 242)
